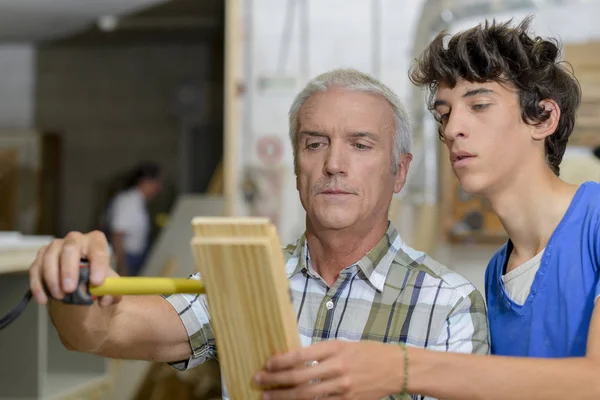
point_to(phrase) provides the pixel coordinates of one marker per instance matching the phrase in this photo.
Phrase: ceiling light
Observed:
(108, 23)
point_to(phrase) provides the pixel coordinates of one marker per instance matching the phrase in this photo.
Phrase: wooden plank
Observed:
(233, 39)
(589, 75)
(230, 226)
(215, 185)
(247, 291)
(585, 60)
(16, 260)
(582, 53)
(49, 177)
(9, 188)
(17, 251)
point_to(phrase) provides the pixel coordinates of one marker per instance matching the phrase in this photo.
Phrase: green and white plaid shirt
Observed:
(394, 294)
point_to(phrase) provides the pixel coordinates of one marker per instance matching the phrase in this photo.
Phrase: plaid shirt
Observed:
(393, 294)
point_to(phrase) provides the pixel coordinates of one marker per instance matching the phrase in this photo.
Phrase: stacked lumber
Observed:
(242, 266)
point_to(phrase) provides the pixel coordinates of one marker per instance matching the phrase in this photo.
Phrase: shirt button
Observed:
(329, 305)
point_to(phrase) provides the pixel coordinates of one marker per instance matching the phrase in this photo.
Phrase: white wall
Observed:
(17, 86)
(341, 33)
(552, 21)
(17, 104)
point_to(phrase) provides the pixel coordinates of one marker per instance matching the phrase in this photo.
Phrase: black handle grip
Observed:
(81, 295)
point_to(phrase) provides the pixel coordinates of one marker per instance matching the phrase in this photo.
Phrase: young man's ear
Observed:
(546, 128)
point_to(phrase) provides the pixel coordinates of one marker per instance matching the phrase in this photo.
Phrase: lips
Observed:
(460, 156)
(334, 192)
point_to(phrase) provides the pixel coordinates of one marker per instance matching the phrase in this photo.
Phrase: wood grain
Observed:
(242, 266)
(584, 58)
(230, 226)
(233, 72)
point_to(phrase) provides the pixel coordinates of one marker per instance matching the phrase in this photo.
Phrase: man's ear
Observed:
(404, 163)
(546, 128)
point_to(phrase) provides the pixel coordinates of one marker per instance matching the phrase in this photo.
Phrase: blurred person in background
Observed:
(128, 222)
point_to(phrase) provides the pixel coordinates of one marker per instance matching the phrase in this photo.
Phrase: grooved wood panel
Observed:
(226, 226)
(241, 264)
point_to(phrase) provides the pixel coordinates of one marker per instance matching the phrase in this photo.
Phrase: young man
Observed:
(506, 109)
(351, 276)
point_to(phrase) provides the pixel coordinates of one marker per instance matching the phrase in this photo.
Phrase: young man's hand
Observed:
(349, 370)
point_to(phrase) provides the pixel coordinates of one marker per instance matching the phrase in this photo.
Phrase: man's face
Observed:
(488, 141)
(152, 187)
(345, 158)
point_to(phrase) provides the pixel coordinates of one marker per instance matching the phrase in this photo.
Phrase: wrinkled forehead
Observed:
(352, 116)
(351, 106)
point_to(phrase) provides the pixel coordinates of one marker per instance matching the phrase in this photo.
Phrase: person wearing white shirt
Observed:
(128, 220)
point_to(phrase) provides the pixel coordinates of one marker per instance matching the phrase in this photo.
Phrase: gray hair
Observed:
(354, 80)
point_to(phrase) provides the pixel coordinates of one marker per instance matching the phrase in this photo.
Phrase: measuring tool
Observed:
(252, 315)
(86, 293)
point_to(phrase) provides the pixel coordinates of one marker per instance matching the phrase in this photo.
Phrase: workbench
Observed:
(33, 362)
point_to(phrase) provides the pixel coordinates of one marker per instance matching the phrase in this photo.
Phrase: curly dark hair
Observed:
(505, 54)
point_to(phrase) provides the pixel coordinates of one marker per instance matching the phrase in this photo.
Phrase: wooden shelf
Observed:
(16, 260)
(33, 363)
(17, 251)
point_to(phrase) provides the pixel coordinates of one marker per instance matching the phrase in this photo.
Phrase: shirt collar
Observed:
(374, 265)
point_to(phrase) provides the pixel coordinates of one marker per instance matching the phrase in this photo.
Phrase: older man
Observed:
(352, 278)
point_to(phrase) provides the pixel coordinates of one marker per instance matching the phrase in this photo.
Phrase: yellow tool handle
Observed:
(132, 285)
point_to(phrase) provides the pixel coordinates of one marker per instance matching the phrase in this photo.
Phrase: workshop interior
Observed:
(93, 93)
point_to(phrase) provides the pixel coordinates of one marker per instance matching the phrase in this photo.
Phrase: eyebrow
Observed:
(354, 134)
(468, 93)
(311, 133)
(365, 135)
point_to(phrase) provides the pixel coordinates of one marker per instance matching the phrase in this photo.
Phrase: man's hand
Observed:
(135, 327)
(349, 370)
(57, 265)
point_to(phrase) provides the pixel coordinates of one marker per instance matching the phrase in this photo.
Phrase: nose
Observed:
(454, 127)
(336, 159)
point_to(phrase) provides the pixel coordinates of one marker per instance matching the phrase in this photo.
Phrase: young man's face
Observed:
(345, 174)
(489, 143)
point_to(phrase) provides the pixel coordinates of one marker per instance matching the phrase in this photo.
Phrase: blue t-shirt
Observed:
(555, 319)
